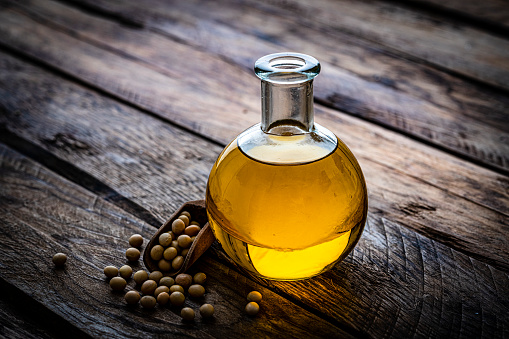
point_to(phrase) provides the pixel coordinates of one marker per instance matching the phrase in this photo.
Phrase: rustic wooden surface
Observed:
(113, 112)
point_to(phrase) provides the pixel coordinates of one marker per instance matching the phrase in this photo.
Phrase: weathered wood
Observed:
(437, 39)
(416, 99)
(358, 295)
(492, 11)
(225, 126)
(43, 214)
(22, 317)
(425, 203)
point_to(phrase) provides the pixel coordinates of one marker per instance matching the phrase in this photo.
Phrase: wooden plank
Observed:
(22, 317)
(492, 11)
(387, 158)
(357, 295)
(436, 39)
(43, 214)
(230, 117)
(467, 119)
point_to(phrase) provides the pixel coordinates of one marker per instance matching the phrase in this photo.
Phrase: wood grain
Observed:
(369, 294)
(436, 39)
(44, 214)
(431, 105)
(492, 11)
(437, 208)
(223, 127)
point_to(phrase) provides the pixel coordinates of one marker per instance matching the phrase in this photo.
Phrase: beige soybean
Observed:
(184, 252)
(185, 219)
(177, 298)
(200, 278)
(148, 301)
(178, 226)
(161, 289)
(165, 239)
(177, 262)
(183, 279)
(192, 230)
(148, 287)
(59, 259)
(117, 283)
(140, 277)
(164, 265)
(184, 241)
(156, 276)
(170, 253)
(195, 223)
(252, 308)
(187, 214)
(163, 298)
(126, 271)
(187, 314)
(176, 288)
(196, 291)
(136, 240)
(175, 245)
(206, 310)
(110, 271)
(156, 252)
(132, 297)
(167, 281)
(254, 296)
(132, 254)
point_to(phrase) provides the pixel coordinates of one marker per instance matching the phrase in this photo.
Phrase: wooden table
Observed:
(113, 112)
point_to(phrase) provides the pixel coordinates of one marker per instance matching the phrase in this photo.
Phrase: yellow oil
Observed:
(283, 218)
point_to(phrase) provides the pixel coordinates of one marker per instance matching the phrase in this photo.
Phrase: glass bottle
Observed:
(287, 199)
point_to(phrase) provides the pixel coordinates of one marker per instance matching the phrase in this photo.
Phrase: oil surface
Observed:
(286, 219)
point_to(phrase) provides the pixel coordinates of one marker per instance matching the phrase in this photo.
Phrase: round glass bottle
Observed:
(287, 199)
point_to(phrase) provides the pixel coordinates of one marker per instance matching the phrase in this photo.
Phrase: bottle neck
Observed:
(287, 109)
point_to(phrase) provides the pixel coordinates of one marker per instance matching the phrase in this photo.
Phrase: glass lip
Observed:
(287, 68)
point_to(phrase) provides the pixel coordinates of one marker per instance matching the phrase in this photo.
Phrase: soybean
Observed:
(178, 226)
(132, 297)
(59, 259)
(170, 253)
(177, 262)
(140, 277)
(165, 239)
(136, 240)
(126, 271)
(156, 252)
(148, 301)
(185, 219)
(252, 308)
(110, 271)
(167, 281)
(187, 314)
(196, 291)
(184, 241)
(148, 287)
(254, 296)
(132, 254)
(206, 310)
(177, 298)
(156, 276)
(177, 288)
(164, 265)
(161, 289)
(184, 280)
(199, 278)
(117, 283)
(192, 230)
(163, 298)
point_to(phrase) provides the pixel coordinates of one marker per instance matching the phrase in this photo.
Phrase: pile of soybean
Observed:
(160, 288)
